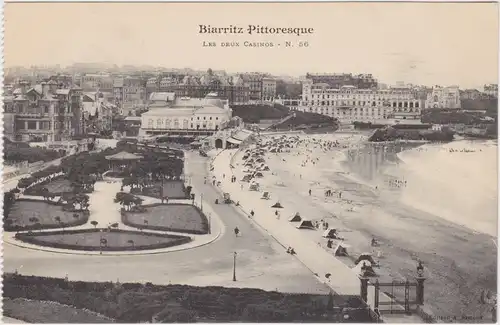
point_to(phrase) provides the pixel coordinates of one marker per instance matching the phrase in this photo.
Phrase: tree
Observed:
(115, 225)
(94, 223)
(131, 242)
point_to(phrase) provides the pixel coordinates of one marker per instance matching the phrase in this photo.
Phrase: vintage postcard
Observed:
(250, 162)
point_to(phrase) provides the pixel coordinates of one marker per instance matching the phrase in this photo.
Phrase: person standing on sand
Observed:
(309, 192)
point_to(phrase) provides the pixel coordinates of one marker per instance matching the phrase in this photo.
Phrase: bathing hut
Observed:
(295, 218)
(341, 249)
(277, 205)
(306, 224)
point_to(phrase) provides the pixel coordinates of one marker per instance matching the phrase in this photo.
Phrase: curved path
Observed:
(260, 262)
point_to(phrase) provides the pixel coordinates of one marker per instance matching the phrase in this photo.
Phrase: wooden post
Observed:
(377, 294)
(407, 297)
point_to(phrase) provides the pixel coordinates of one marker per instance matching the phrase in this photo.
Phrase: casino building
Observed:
(172, 115)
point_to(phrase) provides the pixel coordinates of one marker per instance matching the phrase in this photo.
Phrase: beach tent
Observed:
(295, 218)
(365, 257)
(259, 174)
(254, 187)
(331, 233)
(368, 266)
(341, 249)
(246, 178)
(277, 205)
(244, 157)
(306, 224)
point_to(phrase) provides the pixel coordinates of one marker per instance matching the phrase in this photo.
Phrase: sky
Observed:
(420, 43)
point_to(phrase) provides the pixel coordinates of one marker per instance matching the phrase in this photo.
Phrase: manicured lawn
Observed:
(171, 189)
(32, 311)
(23, 210)
(169, 217)
(90, 240)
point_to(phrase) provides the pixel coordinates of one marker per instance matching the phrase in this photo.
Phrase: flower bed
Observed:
(171, 189)
(22, 213)
(90, 240)
(184, 218)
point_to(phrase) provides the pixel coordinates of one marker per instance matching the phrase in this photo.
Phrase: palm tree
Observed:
(94, 223)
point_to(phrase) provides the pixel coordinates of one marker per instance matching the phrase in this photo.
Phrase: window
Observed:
(204, 117)
(150, 123)
(216, 118)
(210, 118)
(198, 118)
(159, 123)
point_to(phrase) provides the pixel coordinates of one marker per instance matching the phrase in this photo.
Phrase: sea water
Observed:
(455, 181)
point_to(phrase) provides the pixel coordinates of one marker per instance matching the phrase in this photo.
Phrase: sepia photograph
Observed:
(250, 162)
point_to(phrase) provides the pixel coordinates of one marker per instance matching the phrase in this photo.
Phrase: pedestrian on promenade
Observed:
(252, 213)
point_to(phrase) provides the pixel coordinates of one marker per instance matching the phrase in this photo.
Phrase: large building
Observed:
(268, 88)
(129, 91)
(443, 97)
(93, 82)
(350, 104)
(231, 88)
(338, 80)
(172, 115)
(491, 90)
(44, 112)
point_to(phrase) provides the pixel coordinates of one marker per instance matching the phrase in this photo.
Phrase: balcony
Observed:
(33, 115)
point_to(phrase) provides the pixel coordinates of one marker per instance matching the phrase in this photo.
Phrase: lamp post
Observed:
(420, 283)
(209, 222)
(364, 282)
(100, 241)
(201, 202)
(234, 266)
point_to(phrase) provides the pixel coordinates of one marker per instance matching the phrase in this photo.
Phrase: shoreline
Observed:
(358, 231)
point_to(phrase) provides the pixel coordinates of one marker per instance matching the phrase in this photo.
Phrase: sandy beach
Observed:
(375, 201)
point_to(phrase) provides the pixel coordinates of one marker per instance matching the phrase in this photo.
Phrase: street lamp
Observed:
(209, 222)
(201, 202)
(234, 266)
(100, 241)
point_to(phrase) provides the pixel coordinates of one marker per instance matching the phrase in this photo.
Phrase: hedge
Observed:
(74, 223)
(204, 221)
(139, 303)
(31, 238)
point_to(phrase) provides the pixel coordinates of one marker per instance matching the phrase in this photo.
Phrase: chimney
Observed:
(52, 86)
(45, 88)
(24, 86)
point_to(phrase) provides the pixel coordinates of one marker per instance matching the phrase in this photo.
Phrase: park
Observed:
(65, 207)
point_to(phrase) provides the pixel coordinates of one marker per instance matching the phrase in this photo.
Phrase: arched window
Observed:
(436, 99)
(168, 123)
(159, 123)
(151, 123)
(185, 124)
(176, 123)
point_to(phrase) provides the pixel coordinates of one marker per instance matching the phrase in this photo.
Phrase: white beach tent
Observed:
(369, 269)
(295, 218)
(341, 249)
(306, 224)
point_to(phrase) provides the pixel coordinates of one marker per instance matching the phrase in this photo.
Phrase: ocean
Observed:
(455, 181)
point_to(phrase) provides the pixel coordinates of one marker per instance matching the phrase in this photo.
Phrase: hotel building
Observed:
(44, 112)
(350, 104)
